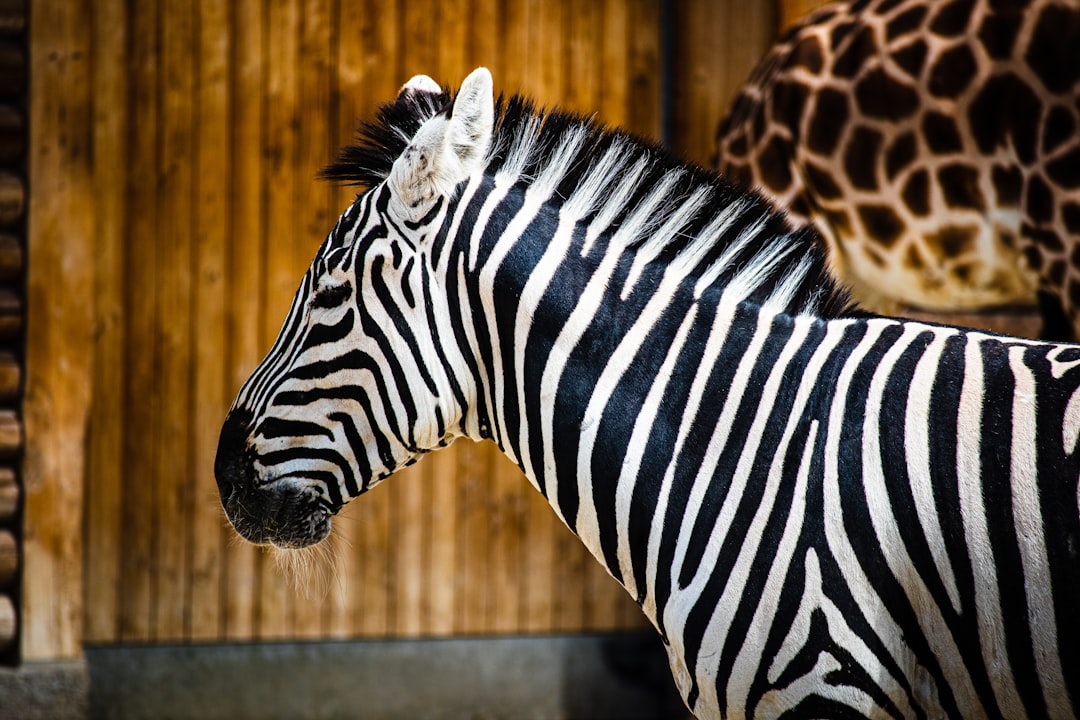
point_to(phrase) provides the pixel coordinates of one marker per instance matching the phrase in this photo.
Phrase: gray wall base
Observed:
(576, 678)
(45, 691)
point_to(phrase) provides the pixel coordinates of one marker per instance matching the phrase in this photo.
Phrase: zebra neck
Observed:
(585, 364)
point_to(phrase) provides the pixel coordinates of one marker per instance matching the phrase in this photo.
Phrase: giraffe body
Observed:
(936, 145)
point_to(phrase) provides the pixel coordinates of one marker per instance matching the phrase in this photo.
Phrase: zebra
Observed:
(822, 512)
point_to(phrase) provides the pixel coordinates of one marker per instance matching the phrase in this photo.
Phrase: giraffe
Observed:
(935, 144)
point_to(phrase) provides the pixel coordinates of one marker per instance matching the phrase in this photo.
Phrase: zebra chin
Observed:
(287, 514)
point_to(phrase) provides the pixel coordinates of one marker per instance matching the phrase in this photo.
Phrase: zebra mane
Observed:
(667, 210)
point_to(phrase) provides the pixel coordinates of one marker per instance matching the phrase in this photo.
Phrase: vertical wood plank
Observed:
(517, 16)
(60, 232)
(719, 44)
(142, 399)
(612, 101)
(373, 606)
(211, 220)
(172, 509)
(643, 61)
(583, 59)
(453, 38)
(420, 35)
(104, 505)
(485, 38)
(408, 557)
(505, 535)
(442, 541)
(473, 486)
(244, 289)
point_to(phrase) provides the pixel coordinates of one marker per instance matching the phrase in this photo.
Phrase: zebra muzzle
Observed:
(284, 514)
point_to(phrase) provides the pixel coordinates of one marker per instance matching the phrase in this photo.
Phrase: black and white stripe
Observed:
(824, 513)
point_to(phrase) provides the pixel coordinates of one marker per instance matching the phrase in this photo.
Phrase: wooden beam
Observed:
(60, 314)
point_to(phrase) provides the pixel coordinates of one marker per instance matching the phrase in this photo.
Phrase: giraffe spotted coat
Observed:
(935, 144)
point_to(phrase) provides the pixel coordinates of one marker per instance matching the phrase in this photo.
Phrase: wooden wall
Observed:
(173, 210)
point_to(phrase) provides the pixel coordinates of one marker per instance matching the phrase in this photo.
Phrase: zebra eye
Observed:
(332, 296)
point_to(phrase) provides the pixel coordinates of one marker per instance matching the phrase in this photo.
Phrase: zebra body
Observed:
(822, 512)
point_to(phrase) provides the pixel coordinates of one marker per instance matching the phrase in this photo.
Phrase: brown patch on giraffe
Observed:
(1074, 256)
(1074, 292)
(879, 95)
(963, 272)
(953, 72)
(738, 173)
(905, 23)
(1054, 53)
(941, 134)
(808, 54)
(839, 221)
(1047, 240)
(998, 34)
(900, 154)
(916, 193)
(954, 241)
(911, 57)
(1033, 257)
(788, 101)
(760, 121)
(1039, 200)
(860, 158)
(1007, 239)
(862, 46)
(830, 115)
(821, 182)
(1059, 128)
(884, 8)
(840, 32)
(1008, 183)
(952, 19)
(1056, 273)
(774, 164)
(1065, 169)
(737, 147)
(912, 259)
(1005, 112)
(801, 206)
(960, 186)
(881, 223)
(1070, 213)
(819, 16)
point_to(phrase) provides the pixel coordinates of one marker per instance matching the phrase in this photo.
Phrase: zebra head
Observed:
(357, 384)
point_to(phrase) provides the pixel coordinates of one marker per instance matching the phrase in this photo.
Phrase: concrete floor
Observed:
(45, 691)
(572, 678)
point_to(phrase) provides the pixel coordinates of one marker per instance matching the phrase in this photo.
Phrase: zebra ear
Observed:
(419, 84)
(473, 117)
(446, 149)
